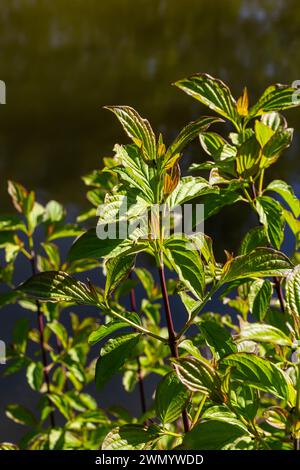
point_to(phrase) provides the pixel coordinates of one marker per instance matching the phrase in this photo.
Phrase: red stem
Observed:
(41, 327)
(139, 367)
(171, 332)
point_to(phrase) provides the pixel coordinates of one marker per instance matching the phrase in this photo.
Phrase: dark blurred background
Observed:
(62, 60)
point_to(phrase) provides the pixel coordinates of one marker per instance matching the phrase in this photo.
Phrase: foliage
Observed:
(234, 384)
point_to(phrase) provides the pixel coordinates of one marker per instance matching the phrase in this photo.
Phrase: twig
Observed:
(171, 331)
(41, 327)
(138, 361)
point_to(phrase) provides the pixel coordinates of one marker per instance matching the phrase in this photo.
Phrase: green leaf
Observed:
(129, 437)
(113, 355)
(198, 376)
(259, 298)
(260, 373)
(11, 223)
(20, 334)
(170, 398)
(264, 334)
(90, 246)
(211, 92)
(146, 279)
(57, 286)
(60, 331)
(292, 289)
(223, 414)
(213, 203)
(274, 98)
(189, 188)
(117, 269)
(254, 238)
(64, 231)
(54, 212)
(216, 146)
(244, 399)
(21, 415)
(62, 404)
(188, 133)
(217, 338)
(137, 128)
(248, 156)
(212, 435)
(35, 375)
(270, 216)
(263, 133)
(261, 262)
(187, 262)
(8, 446)
(287, 193)
(278, 142)
(277, 417)
(105, 330)
(134, 170)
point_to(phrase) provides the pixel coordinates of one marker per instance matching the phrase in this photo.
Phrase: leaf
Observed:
(274, 98)
(263, 133)
(244, 399)
(187, 134)
(113, 355)
(223, 414)
(105, 330)
(211, 92)
(277, 417)
(213, 203)
(8, 446)
(134, 170)
(60, 332)
(278, 142)
(198, 376)
(64, 231)
(212, 435)
(292, 289)
(216, 146)
(35, 375)
(61, 403)
(264, 334)
(171, 397)
(11, 223)
(137, 128)
(117, 269)
(189, 188)
(22, 200)
(129, 437)
(254, 238)
(21, 415)
(287, 193)
(259, 373)
(187, 262)
(259, 298)
(20, 334)
(57, 286)
(54, 212)
(217, 338)
(270, 216)
(261, 262)
(146, 279)
(248, 157)
(90, 246)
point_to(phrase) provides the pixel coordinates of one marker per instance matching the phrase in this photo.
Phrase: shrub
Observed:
(225, 382)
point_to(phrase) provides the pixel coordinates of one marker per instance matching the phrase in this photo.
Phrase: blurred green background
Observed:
(62, 60)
